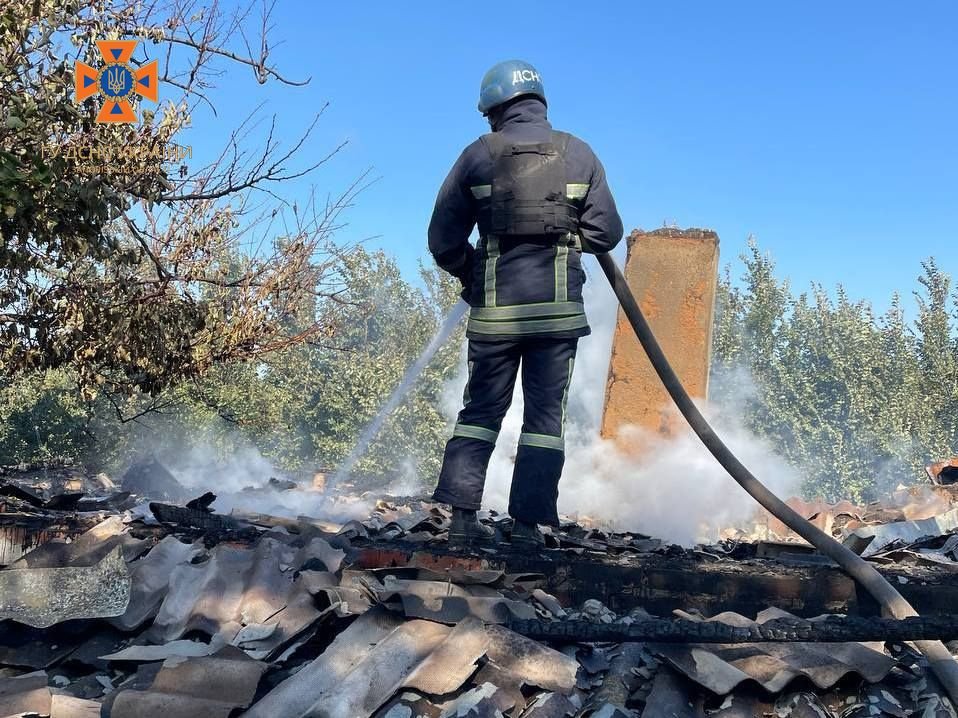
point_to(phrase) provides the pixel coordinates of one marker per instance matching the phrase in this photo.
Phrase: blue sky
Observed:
(826, 130)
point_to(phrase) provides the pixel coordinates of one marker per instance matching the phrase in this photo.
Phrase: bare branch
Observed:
(259, 173)
(263, 73)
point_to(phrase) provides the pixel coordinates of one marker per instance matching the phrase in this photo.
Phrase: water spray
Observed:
(409, 378)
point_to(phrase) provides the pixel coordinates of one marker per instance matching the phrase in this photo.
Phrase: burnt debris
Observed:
(121, 602)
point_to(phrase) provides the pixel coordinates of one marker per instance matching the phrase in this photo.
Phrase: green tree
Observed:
(42, 419)
(858, 403)
(356, 376)
(305, 406)
(937, 361)
(128, 271)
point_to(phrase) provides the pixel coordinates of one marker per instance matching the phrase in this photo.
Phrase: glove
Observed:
(464, 273)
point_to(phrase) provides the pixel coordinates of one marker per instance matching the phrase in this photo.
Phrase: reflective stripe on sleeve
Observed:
(572, 191)
(483, 191)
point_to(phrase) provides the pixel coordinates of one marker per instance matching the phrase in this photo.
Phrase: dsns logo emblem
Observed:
(116, 81)
(520, 77)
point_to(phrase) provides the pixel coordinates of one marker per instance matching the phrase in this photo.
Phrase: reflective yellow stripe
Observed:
(527, 311)
(545, 441)
(542, 441)
(528, 326)
(492, 256)
(572, 191)
(467, 431)
(562, 272)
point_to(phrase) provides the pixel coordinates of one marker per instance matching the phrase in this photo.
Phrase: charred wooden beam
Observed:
(655, 582)
(211, 527)
(661, 583)
(832, 629)
(194, 518)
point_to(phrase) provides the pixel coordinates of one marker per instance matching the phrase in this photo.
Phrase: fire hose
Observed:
(944, 666)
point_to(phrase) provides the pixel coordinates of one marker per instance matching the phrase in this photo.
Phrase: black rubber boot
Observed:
(466, 529)
(527, 536)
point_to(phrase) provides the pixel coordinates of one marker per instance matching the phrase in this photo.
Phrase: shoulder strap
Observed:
(561, 141)
(495, 143)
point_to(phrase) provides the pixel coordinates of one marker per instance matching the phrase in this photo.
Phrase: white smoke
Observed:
(675, 491)
(240, 480)
(299, 502)
(202, 467)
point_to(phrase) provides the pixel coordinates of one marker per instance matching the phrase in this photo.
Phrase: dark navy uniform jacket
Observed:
(529, 286)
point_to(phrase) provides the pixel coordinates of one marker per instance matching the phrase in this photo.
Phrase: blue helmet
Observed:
(508, 80)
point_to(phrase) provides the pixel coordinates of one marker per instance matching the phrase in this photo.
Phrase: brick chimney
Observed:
(673, 274)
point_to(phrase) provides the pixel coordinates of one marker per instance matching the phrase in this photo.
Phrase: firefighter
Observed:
(540, 199)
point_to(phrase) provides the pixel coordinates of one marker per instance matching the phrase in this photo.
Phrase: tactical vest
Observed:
(527, 277)
(528, 191)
